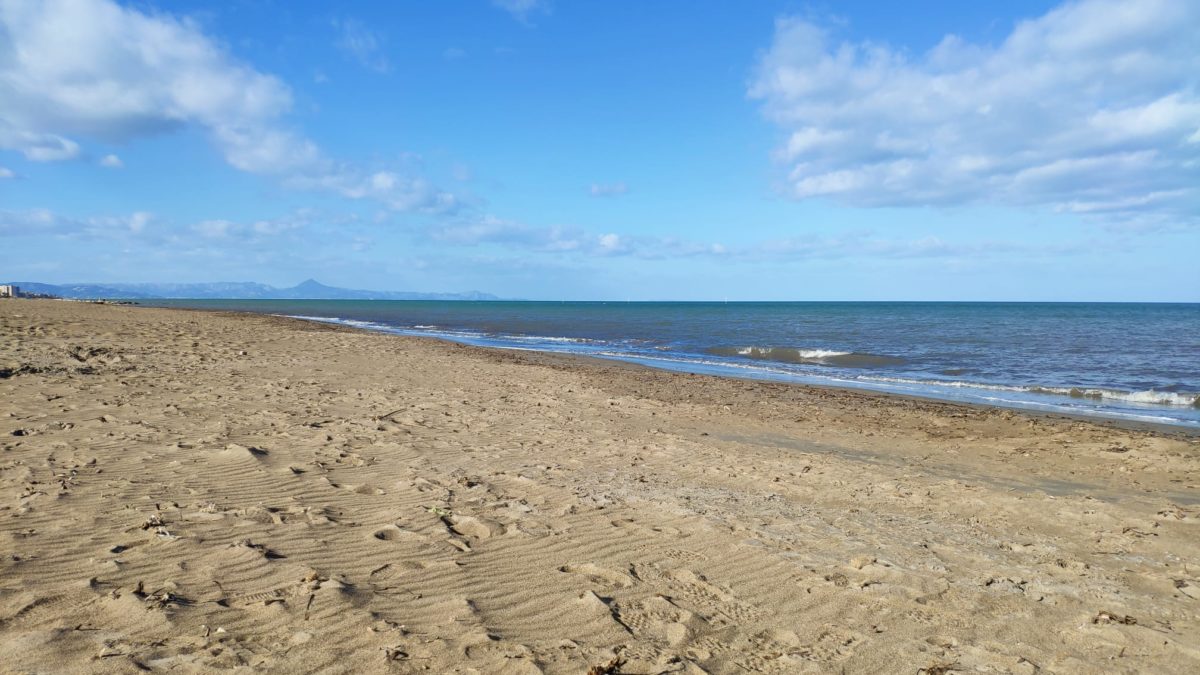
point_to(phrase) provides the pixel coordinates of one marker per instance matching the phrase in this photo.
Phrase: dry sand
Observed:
(194, 491)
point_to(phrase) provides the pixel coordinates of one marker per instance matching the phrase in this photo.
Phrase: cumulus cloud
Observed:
(37, 147)
(73, 69)
(1092, 108)
(608, 189)
(92, 68)
(362, 44)
(112, 162)
(6, 172)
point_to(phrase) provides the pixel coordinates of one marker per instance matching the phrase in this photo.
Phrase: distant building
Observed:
(7, 291)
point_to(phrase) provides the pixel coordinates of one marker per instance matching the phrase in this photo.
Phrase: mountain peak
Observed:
(309, 284)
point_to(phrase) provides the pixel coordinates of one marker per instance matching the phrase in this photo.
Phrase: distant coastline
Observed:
(237, 290)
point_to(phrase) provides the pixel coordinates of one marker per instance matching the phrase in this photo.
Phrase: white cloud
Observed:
(43, 222)
(559, 239)
(609, 242)
(112, 162)
(493, 230)
(37, 147)
(608, 189)
(575, 241)
(6, 172)
(1087, 109)
(93, 69)
(362, 44)
(222, 236)
(138, 221)
(147, 228)
(396, 191)
(245, 232)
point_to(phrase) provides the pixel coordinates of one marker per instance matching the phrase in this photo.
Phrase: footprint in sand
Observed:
(361, 489)
(775, 652)
(696, 590)
(476, 528)
(681, 554)
(395, 533)
(657, 616)
(279, 594)
(598, 575)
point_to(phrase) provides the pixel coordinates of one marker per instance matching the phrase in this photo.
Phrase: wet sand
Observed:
(190, 491)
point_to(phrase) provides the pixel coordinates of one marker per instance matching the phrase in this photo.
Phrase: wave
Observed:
(355, 323)
(1149, 397)
(820, 357)
(547, 339)
(439, 331)
(1185, 399)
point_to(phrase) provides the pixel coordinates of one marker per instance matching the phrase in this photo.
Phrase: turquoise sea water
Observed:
(1132, 361)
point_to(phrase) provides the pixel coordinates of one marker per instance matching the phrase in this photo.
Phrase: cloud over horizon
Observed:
(1092, 109)
(578, 242)
(44, 222)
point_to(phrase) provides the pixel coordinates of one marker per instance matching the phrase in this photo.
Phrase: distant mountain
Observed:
(79, 291)
(233, 290)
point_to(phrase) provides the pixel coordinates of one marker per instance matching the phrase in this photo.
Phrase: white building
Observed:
(7, 291)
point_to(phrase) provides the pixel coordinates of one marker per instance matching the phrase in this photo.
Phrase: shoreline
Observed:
(184, 490)
(585, 360)
(1091, 389)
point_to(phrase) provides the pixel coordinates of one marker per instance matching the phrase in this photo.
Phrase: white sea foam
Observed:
(334, 320)
(551, 340)
(1148, 397)
(802, 353)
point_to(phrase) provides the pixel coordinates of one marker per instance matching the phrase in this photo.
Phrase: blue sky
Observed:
(665, 150)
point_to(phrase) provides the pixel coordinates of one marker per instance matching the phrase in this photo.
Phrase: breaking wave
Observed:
(1148, 397)
(820, 357)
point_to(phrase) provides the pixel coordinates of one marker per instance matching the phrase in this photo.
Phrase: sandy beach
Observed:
(186, 491)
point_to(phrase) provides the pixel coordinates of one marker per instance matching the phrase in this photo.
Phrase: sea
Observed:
(1128, 361)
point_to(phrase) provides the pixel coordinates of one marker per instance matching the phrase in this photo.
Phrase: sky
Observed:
(675, 150)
